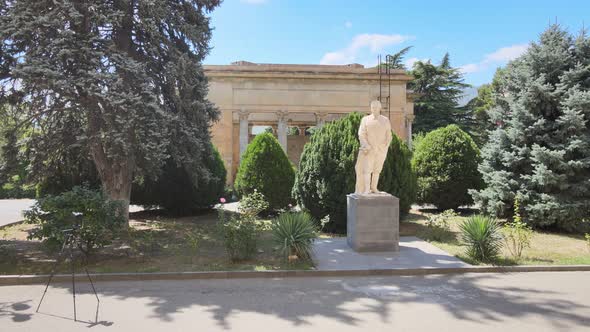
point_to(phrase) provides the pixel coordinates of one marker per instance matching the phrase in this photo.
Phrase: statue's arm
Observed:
(388, 136)
(363, 136)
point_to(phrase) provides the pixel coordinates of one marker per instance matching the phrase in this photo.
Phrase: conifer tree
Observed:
(540, 150)
(439, 88)
(125, 74)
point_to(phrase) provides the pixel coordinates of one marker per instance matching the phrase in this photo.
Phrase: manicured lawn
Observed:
(153, 243)
(546, 248)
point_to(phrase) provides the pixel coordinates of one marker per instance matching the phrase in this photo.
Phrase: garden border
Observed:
(11, 280)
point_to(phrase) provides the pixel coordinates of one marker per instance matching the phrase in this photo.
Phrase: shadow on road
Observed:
(473, 297)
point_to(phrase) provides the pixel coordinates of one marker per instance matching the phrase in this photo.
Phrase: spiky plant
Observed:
(481, 235)
(295, 233)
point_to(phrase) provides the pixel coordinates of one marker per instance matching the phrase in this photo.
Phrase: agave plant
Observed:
(295, 233)
(482, 236)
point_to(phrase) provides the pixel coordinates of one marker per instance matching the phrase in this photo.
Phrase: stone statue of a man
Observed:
(375, 137)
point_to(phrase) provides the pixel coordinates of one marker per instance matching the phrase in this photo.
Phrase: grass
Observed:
(153, 243)
(547, 248)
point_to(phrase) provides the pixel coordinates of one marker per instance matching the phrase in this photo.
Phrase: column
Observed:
(302, 130)
(282, 129)
(409, 121)
(320, 119)
(244, 131)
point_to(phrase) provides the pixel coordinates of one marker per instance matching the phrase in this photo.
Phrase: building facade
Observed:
(281, 96)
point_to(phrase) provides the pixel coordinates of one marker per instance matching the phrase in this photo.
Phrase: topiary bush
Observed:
(265, 167)
(179, 190)
(326, 172)
(445, 161)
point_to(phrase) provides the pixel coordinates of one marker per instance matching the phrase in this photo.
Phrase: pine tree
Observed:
(125, 74)
(540, 150)
(439, 88)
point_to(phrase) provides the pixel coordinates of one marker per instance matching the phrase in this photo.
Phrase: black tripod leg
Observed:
(57, 261)
(73, 283)
(95, 294)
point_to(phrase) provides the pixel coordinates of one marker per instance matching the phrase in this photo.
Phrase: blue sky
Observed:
(479, 35)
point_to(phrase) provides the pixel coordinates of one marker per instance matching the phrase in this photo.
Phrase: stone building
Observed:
(281, 96)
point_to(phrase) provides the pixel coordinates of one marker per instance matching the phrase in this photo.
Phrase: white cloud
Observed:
(470, 68)
(348, 24)
(254, 2)
(506, 54)
(373, 42)
(500, 56)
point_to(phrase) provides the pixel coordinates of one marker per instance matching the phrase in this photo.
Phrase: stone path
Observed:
(335, 254)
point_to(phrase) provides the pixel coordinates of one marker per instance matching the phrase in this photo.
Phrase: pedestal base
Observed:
(373, 222)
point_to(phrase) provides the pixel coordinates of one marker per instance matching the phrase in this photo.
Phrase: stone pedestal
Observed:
(373, 222)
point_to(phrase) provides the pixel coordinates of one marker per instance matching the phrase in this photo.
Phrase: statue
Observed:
(375, 137)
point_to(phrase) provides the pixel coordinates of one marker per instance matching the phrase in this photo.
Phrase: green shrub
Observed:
(326, 172)
(517, 234)
(266, 168)
(252, 204)
(438, 226)
(240, 232)
(294, 233)
(93, 216)
(445, 161)
(481, 235)
(240, 237)
(182, 191)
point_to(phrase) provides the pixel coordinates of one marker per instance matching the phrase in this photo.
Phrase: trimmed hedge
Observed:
(445, 161)
(326, 172)
(177, 190)
(265, 167)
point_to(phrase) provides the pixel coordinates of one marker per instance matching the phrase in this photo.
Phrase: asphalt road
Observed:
(557, 301)
(11, 209)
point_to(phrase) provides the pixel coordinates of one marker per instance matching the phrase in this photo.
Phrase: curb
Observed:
(11, 280)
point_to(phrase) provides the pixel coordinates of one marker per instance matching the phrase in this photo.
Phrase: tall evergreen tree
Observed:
(124, 76)
(540, 151)
(439, 87)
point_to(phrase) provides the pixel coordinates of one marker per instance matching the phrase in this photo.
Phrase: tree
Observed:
(539, 152)
(445, 161)
(175, 188)
(265, 168)
(478, 108)
(326, 172)
(126, 74)
(439, 88)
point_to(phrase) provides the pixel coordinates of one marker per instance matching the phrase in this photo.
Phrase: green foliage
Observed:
(265, 167)
(445, 161)
(240, 232)
(397, 59)
(295, 233)
(587, 237)
(481, 235)
(439, 88)
(480, 121)
(326, 172)
(517, 234)
(438, 226)
(240, 236)
(182, 191)
(90, 213)
(193, 240)
(252, 205)
(122, 78)
(540, 148)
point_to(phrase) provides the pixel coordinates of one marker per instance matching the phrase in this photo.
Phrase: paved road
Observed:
(558, 301)
(11, 209)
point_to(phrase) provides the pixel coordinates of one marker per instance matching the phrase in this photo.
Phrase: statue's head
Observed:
(375, 107)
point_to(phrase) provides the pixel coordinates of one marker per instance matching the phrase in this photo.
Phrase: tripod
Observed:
(71, 240)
